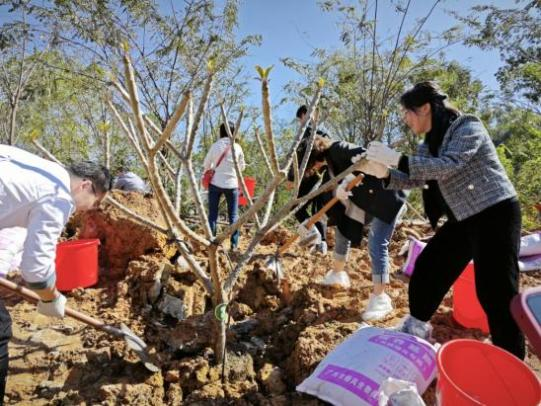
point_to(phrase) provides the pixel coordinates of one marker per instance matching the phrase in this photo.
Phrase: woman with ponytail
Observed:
(463, 180)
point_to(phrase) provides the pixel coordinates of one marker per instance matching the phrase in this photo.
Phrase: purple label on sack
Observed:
(352, 381)
(418, 353)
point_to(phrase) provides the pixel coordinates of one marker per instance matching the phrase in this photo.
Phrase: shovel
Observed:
(133, 341)
(273, 263)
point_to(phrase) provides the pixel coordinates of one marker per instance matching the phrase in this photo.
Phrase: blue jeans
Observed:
(379, 238)
(232, 199)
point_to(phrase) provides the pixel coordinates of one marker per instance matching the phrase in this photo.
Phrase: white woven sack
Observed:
(530, 245)
(354, 371)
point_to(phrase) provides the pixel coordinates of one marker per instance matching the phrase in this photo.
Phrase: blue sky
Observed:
(293, 28)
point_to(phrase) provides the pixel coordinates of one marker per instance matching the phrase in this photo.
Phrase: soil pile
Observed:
(123, 239)
(272, 343)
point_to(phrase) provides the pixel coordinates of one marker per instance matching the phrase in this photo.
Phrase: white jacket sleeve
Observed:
(45, 224)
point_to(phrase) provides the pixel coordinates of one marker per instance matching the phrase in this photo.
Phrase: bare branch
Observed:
(258, 204)
(168, 143)
(238, 172)
(194, 266)
(296, 177)
(308, 150)
(140, 219)
(134, 100)
(267, 119)
(45, 152)
(302, 129)
(200, 110)
(262, 150)
(171, 216)
(178, 187)
(171, 124)
(197, 196)
(275, 221)
(129, 132)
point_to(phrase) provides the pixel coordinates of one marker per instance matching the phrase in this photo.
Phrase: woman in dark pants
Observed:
(463, 179)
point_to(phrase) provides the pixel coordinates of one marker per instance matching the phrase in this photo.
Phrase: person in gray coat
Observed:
(462, 178)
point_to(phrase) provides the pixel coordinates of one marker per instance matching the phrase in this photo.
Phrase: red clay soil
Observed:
(273, 344)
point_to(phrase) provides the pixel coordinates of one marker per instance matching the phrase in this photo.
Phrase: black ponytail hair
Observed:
(443, 114)
(223, 130)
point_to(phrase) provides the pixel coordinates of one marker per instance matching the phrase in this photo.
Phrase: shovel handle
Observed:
(34, 298)
(316, 217)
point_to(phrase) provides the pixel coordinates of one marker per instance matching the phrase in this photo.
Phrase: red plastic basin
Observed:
(474, 373)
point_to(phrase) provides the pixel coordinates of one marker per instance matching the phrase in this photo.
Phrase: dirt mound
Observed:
(260, 290)
(272, 343)
(123, 239)
(313, 345)
(171, 290)
(279, 236)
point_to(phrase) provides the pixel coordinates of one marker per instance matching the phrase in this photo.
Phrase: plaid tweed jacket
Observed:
(467, 169)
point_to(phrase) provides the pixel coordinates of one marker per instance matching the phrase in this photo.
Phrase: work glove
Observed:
(308, 237)
(379, 152)
(375, 169)
(358, 157)
(341, 193)
(53, 308)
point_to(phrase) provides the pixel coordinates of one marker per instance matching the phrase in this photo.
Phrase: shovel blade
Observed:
(138, 346)
(275, 266)
(310, 240)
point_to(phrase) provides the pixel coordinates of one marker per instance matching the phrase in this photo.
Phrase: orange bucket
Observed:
(76, 264)
(475, 373)
(250, 186)
(467, 310)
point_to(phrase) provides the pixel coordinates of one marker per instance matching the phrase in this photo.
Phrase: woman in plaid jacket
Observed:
(462, 179)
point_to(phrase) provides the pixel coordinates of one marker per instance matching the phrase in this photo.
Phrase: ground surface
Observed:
(273, 345)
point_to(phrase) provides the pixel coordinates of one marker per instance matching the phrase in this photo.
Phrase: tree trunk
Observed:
(13, 122)
(107, 149)
(218, 299)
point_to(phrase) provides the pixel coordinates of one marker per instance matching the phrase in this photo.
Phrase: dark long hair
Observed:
(443, 114)
(318, 153)
(223, 130)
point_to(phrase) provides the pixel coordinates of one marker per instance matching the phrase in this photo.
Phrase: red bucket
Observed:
(76, 264)
(467, 310)
(474, 373)
(250, 185)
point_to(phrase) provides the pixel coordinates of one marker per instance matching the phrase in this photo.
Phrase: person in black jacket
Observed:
(307, 184)
(366, 203)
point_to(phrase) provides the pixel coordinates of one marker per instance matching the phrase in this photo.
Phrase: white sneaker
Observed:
(378, 307)
(415, 327)
(337, 279)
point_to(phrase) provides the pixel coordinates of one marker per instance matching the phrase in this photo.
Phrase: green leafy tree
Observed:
(518, 135)
(367, 74)
(516, 34)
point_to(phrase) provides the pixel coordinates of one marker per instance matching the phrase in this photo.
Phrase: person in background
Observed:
(463, 180)
(40, 195)
(307, 184)
(224, 181)
(129, 181)
(367, 204)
